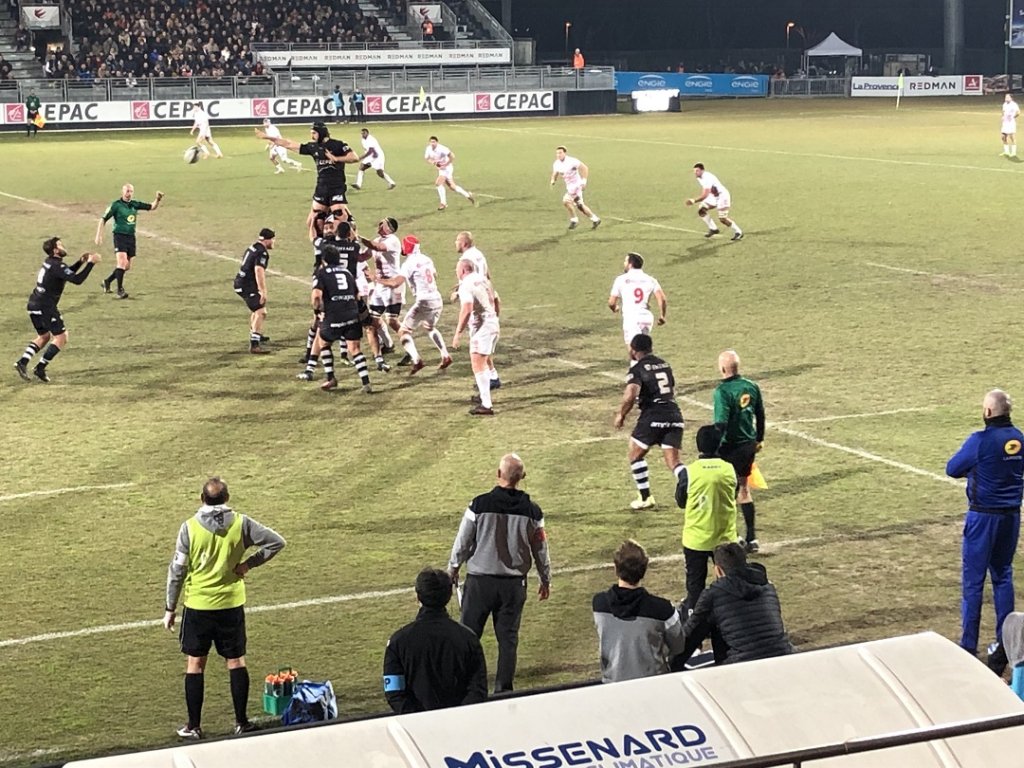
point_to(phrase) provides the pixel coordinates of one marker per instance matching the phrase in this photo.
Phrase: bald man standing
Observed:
(502, 534)
(992, 461)
(739, 416)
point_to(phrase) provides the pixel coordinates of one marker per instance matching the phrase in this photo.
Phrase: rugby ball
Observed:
(191, 154)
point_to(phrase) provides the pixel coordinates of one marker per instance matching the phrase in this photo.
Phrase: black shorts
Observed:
(124, 244)
(224, 629)
(659, 428)
(364, 314)
(741, 457)
(329, 193)
(379, 310)
(338, 330)
(252, 300)
(46, 319)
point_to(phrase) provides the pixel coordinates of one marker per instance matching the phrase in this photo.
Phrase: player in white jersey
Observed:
(465, 246)
(1009, 128)
(386, 303)
(419, 272)
(713, 196)
(277, 154)
(204, 138)
(444, 159)
(479, 309)
(575, 173)
(631, 294)
(372, 157)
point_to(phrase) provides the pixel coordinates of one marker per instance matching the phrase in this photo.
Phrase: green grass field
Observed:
(875, 298)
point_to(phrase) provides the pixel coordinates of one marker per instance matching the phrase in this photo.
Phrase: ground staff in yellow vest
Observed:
(706, 490)
(209, 566)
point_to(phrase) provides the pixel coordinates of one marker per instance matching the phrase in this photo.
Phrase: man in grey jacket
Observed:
(638, 633)
(501, 535)
(209, 565)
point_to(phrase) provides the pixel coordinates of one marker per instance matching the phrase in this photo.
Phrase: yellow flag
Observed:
(899, 81)
(756, 479)
(423, 95)
(39, 121)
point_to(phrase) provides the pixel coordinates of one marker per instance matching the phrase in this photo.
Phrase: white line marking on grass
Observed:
(35, 754)
(908, 468)
(346, 598)
(492, 197)
(652, 224)
(819, 419)
(166, 240)
(939, 275)
(757, 151)
(123, 141)
(59, 491)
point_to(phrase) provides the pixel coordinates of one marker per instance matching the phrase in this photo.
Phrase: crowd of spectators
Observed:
(183, 38)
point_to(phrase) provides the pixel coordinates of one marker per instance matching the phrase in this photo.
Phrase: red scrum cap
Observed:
(409, 244)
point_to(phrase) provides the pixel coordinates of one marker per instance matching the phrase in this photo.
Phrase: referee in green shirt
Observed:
(739, 416)
(123, 211)
(32, 107)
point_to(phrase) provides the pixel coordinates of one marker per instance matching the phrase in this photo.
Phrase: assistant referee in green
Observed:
(209, 565)
(123, 211)
(739, 416)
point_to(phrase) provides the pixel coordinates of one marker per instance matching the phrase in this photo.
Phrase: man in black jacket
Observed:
(740, 611)
(435, 662)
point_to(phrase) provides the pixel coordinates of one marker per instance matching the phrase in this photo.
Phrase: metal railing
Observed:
(801, 757)
(810, 86)
(315, 82)
(482, 15)
(418, 44)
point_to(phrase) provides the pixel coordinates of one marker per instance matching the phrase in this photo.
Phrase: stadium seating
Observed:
(181, 38)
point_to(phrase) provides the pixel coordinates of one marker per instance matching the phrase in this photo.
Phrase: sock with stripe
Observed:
(327, 358)
(438, 341)
(30, 352)
(52, 350)
(641, 478)
(359, 361)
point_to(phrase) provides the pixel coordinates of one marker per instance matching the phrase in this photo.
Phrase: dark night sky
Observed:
(907, 25)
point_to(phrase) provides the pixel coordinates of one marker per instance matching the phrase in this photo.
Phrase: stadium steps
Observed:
(398, 34)
(24, 65)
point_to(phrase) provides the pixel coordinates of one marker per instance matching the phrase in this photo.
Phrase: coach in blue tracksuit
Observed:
(993, 463)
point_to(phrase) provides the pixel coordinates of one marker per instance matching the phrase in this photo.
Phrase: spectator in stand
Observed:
(22, 40)
(740, 612)
(5, 68)
(427, 27)
(637, 633)
(577, 59)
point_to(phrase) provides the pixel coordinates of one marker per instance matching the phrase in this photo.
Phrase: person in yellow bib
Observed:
(706, 490)
(209, 567)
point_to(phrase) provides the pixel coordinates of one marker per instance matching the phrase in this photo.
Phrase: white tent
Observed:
(833, 45)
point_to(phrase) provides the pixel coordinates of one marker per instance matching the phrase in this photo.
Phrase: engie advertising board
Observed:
(696, 84)
(942, 85)
(85, 113)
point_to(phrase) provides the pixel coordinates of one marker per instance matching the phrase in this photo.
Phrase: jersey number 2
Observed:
(663, 386)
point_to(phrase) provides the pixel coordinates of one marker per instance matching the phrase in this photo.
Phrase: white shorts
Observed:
(376, 163)
(425, 313)
(484, 339)
(573, 195)
(447, 172)
(279, 152)
(721, 203)
(634, 326)
(1009, 127)
(384, 296)
(207, 136)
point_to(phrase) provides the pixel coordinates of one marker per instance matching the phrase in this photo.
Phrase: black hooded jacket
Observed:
(742, 614)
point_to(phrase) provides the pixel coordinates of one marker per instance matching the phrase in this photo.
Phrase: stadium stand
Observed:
(161, 38)
(16, 58)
